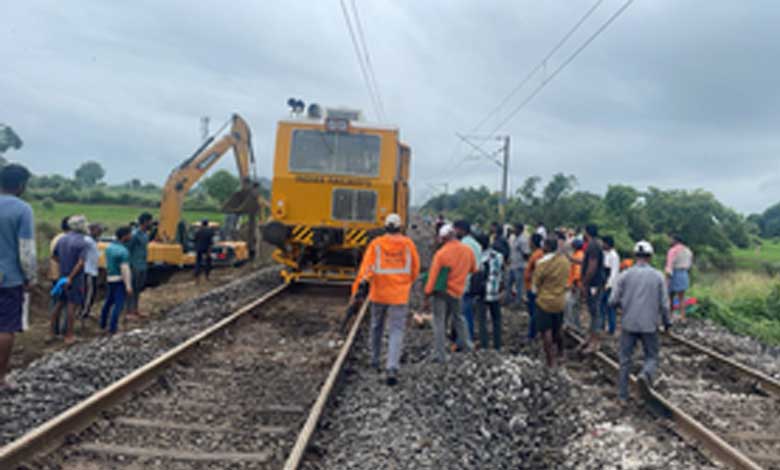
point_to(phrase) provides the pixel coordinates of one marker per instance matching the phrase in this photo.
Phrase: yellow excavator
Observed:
(170, 238)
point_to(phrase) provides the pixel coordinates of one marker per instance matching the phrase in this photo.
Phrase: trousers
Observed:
(90, 295)
(608, 314)
(115, 302)
(139, 283)
(531, 305)
(444, 307)
(467, 306)
(395, 316)
(495, 316)
(628, 340)
(573, 308)
(202, 263)
(515, 279)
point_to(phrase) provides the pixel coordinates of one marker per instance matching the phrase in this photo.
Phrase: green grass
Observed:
(112, 216)
(745, 302)
(757, 258)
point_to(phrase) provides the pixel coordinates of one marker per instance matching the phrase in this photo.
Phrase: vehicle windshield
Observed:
(315, 151)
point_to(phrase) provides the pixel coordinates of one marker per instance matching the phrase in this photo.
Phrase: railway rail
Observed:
(210, 400)
(729, 409)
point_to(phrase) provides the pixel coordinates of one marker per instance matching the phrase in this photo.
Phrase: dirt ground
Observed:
(155, 301)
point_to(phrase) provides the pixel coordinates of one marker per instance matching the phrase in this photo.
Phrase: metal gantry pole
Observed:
(504, 181)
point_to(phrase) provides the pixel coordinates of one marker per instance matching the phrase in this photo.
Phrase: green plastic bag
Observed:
(441, 281)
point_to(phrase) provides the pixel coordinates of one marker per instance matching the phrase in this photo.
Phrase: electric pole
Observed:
(504, 181)
(204, 127)
(503, 164)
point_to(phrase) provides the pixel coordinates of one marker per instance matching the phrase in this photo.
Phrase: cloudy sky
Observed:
(674, 94)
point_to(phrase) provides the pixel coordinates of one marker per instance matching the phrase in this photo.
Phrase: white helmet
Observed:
(393, 220)
(446, 230)
(643, 248)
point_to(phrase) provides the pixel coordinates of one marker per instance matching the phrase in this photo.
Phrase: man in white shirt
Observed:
(520, 250)
(91, 267)
(541, 230)
(612, 269)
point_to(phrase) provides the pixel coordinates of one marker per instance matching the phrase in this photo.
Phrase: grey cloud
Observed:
(674, 94)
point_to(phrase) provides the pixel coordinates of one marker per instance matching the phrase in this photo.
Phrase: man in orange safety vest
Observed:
(390, 265)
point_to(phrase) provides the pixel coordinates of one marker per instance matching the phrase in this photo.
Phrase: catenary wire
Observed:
(538, 67)
(367, 58)
(359, 55)
(563, 65)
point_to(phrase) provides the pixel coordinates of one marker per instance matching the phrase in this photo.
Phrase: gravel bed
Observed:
(53, 383)
(744, 349)
(718, 397)
(489, 410)
(263, 373)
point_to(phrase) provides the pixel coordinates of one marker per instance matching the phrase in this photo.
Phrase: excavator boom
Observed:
(189, 172)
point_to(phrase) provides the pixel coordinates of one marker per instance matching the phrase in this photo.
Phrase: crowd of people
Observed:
(73, 268)
(555, 277)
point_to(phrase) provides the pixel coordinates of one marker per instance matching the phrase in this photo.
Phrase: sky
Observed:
(673, 94)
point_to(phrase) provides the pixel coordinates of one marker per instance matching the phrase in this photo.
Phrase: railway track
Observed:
(726, 407)
(245, 393)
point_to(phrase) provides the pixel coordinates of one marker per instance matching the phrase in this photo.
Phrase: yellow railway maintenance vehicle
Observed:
(335, 179)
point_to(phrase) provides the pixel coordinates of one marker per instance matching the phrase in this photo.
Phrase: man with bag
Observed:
(390, 266)
(453, 262)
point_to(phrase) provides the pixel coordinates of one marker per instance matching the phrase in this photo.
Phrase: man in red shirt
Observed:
(455, 260)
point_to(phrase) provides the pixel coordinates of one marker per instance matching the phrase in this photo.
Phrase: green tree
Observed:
(9, 139)
(769, 222)
(221, 185)
(620, 198)
(89, 173)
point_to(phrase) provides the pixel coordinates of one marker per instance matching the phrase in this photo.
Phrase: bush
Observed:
(746, 304)
(48, 203)
(66, 193)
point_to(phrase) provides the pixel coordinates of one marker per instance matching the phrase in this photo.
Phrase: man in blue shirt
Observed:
(137, 247)
(71, 254)
(17, 258)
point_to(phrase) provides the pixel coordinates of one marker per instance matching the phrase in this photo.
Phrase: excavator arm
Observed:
(184, 177)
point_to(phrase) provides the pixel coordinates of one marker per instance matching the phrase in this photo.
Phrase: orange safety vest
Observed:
(390, 264)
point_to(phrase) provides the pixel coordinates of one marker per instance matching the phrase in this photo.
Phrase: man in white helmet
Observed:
(390, 265)
(641, 292)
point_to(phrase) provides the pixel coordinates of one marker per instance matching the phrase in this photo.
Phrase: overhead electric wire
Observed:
(563, 65)
(361, 63)
(369, 65)
(542, 64)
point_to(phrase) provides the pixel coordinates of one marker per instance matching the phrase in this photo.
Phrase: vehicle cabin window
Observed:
(354, 205)
(315, 151)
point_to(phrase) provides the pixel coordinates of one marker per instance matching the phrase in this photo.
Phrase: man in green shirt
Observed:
(119, 279)
(549, 283)
(137, 246)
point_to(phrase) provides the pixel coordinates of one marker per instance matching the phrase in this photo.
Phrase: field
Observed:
(112, 216)
(744, 301)
(758, 258)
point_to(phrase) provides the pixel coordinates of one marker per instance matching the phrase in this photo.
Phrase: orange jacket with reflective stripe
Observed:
(460, 259)
(391, 265)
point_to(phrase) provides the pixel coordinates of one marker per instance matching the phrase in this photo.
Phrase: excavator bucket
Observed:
(244, 201)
